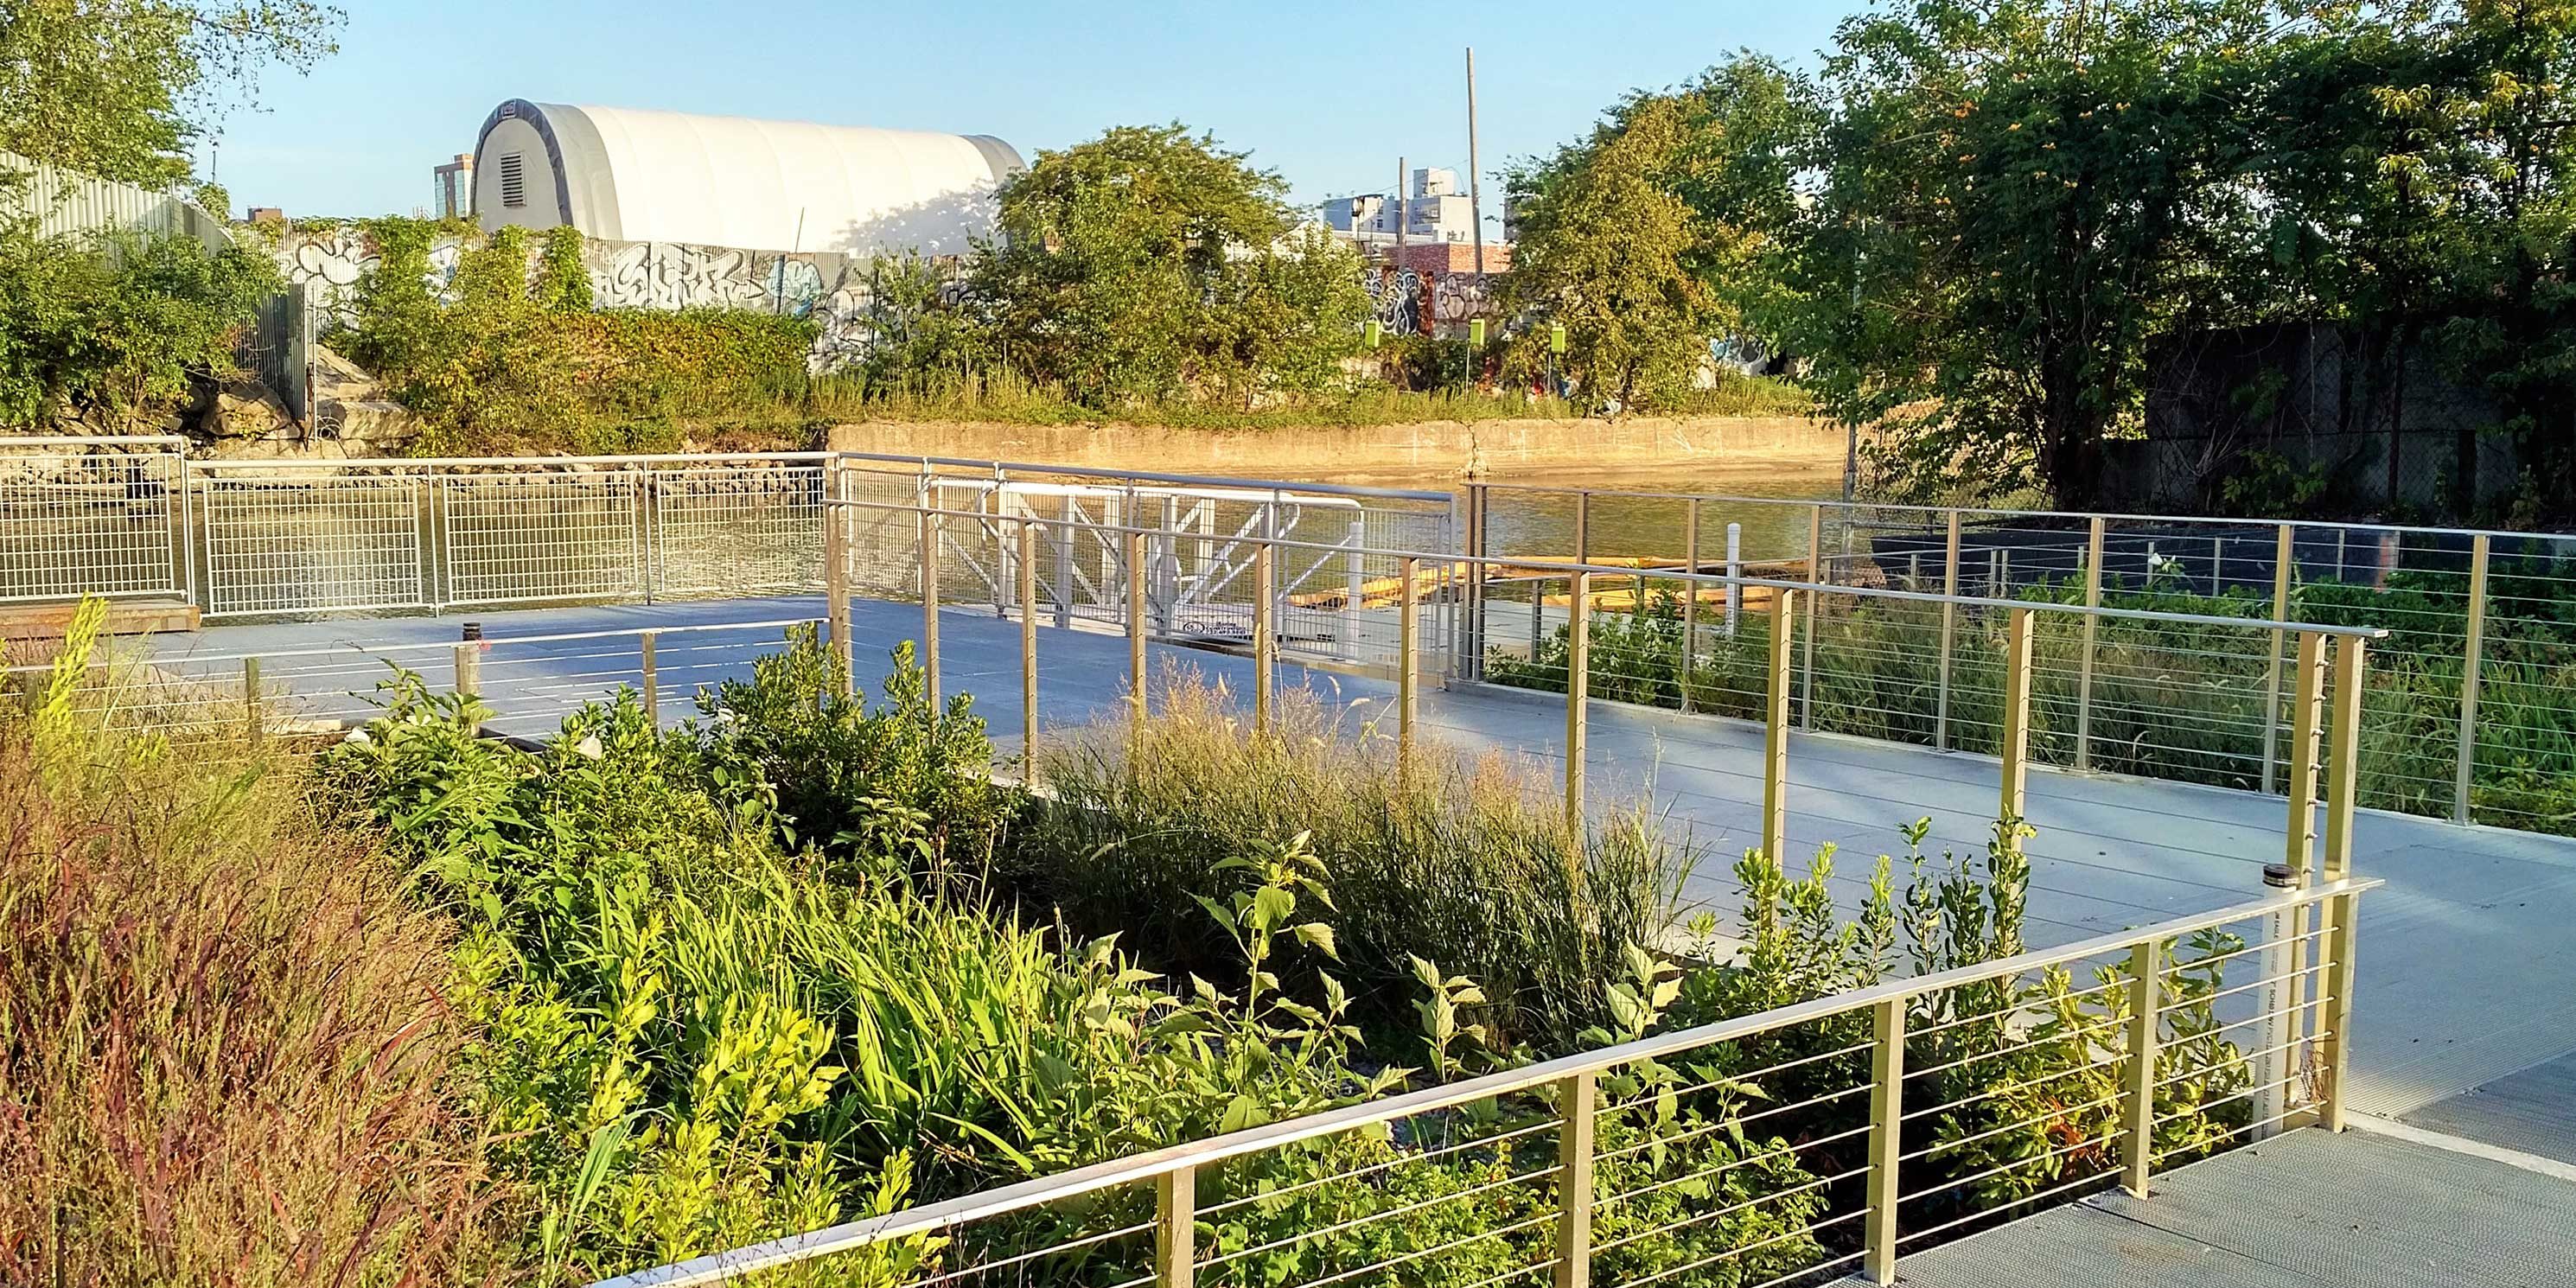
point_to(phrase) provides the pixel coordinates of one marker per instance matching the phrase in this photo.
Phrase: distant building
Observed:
(454, 189)
(1436, 210)
(621, 174)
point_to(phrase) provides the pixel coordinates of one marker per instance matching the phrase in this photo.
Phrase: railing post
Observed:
(2334, 1017)
(251, 712)
(1175, 1227)
(1734, 570)
(2343, 755)
(1576, 1106)
(1064, 564)
(930, 529)
(1028, 653)
(1408, 651)
(1815, 618)
(1265, 634)
(1136, 629)
(1690, 597)
(2015, 750)
(2306, 695)
(1949, 629)
(2473, 654)
(2281, 561)
(1471, 652)
(1578, 683)
(1775, 730)
(2138, 1101)
(836, 572)
(2092, 632)
(1354, 583)
(1886, 1138)
(648, 649)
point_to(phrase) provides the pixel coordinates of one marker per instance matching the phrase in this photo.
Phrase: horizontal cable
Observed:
(1418, 1254)
(1142, 1227)
(2090, 1142)
(1704, 1129)
(1356, 1222)
(1549, 1124)
(1729, 1210)
(1774, 1240)
(1744, 1077)
(2058, 1112)
(2024, 1201)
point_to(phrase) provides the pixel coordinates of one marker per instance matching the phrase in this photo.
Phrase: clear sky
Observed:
(1328, 96)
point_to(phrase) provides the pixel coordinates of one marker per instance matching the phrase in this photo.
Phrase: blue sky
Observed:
(1327, 96)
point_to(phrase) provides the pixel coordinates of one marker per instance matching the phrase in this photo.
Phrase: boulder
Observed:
(246, 409)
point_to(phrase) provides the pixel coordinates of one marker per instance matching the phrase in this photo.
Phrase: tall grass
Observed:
(223, 1052)
(1462, 861)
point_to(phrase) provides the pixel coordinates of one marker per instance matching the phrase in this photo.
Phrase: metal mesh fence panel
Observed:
(738, 529)
(530, 537)
(283, 542)
(76, 522)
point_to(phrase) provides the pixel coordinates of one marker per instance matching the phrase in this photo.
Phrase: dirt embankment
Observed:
(1486, 446)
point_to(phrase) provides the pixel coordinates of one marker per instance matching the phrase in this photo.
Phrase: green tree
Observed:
(2018, 198)
(1145, 265)
(1607, 249)
(121, 89)
(117, 329)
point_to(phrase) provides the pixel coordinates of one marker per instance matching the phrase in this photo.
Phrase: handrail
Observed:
(364, 648)
(433, 463)
(1154, 1164)
(1552, 567)
(2066, 516)
(1200, 480)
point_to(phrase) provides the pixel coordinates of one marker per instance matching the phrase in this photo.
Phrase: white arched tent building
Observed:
(621, 174)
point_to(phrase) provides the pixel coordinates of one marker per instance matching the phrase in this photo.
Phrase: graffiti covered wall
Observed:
(831, 288)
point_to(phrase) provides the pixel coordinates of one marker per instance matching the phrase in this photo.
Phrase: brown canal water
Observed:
(1533, 514)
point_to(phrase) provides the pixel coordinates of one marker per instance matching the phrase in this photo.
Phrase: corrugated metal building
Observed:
(67, 202)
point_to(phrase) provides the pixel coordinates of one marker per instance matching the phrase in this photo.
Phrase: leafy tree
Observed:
(120, 88)
(563, 284)
(919, 337)
(2017, 197)
(1144, 265)
(1668, 225)
(117, 328)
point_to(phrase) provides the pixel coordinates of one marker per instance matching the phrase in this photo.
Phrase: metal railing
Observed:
(92, 516)
(2470, 719)
(1637, 1163)
(1778, 629)
(1614, 1166)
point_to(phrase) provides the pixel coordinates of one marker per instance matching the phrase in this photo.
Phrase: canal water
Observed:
(1534, 514)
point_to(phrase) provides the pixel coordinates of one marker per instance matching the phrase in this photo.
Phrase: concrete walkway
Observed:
(2467, 974)
(2304, 1210)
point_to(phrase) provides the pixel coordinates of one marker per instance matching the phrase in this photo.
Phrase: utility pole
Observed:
(1403, 213)
(1475, 201)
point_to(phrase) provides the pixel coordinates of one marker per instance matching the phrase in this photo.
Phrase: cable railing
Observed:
(1801, 1140)
(2467, 719)
(1425, 602)
(1827, 1136)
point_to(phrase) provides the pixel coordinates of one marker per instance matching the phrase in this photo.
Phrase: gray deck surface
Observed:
(2305, 1210)
(2533, 1111)
(2466, 974)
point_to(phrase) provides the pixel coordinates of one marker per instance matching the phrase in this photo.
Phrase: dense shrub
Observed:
(117, 330)
(512, 354)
